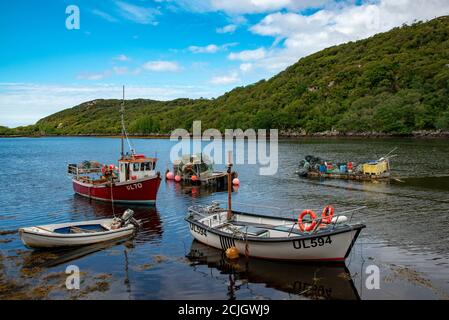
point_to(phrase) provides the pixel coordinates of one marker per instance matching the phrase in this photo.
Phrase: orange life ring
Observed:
(312, 225)
(327, 214)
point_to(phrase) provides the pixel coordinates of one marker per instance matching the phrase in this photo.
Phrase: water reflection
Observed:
(312, 281)
(151, 225)
(52, 258)
(196, 191)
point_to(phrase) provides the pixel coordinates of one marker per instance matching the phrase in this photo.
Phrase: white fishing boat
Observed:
(328, 238)
(79, 233)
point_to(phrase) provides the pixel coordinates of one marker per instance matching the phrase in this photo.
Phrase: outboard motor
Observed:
(127, 218)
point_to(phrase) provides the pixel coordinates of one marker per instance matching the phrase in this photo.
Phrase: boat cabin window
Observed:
(146, 166)
(136, 167)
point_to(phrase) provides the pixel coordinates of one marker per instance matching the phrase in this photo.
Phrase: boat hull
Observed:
(349, 176)
(143, 191)
(39, 237)
(329, 246)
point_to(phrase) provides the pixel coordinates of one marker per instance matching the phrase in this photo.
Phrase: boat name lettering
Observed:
(314, 289)
(199, 230)
(312, 243)
(134, 186)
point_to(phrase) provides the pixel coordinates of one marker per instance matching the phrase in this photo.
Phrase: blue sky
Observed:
(165, 49)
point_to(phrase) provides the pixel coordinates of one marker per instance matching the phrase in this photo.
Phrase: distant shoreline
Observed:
(290, 134)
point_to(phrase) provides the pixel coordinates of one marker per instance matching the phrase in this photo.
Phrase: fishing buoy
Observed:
(111, 166)
(194, 178)
(232, 253)
(170, 175)
(103, 169)
(236, 181)
(177, 178)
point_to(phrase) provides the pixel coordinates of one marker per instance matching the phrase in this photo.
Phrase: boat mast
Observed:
(122, 113)
(229, 215)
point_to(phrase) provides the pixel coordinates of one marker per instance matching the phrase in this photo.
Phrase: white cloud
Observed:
(161, 66)
(248, 55)
(229, 79)
(211, 48)
(25, 103)
(259, 6)
(138, 14)
(120, 70)
(122, 57)
(104, 15)
(246, 67)
(248, 6)
(304, 35)
(93, 76)
(230, 28)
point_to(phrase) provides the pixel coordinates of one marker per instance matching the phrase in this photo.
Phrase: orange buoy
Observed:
(310, 226)
(236, 181)
(194, 178)
(327, 214)
(177, 178)
(232, 253)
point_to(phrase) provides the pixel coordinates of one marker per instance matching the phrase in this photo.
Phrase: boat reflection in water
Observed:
(197, 191)
(56, 257)
(312, 281)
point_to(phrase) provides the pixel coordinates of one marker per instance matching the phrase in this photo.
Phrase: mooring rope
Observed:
(112, 201)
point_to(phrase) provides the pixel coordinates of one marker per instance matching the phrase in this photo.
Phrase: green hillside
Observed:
(394, 82)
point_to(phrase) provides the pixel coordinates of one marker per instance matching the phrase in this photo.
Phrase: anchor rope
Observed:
(112, 201)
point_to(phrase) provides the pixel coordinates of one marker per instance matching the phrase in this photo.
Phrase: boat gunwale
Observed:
(53, 234)
(107, 184)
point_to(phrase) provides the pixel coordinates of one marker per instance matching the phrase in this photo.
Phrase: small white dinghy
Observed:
(79, 233)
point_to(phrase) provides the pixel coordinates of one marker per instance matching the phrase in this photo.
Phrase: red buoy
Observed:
(170, 175)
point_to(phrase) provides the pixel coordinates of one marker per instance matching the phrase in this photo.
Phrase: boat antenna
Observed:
(124, 133)
(122, 113)
(229, 216)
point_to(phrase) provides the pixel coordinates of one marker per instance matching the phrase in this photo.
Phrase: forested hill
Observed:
(394, 82)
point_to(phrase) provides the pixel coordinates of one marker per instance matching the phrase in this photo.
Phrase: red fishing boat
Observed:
(135, 180)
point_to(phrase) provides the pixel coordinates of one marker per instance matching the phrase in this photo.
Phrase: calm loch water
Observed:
(407, 220)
